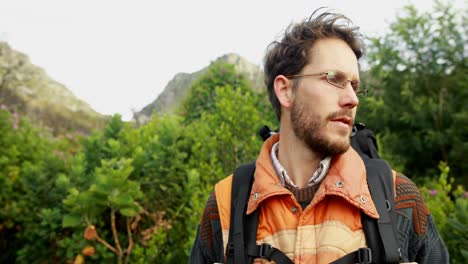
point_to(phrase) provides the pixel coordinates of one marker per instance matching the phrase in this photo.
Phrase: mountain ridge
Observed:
(27, 89)
(178, 87)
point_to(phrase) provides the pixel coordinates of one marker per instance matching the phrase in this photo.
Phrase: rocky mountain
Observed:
(29, 91)
(178, 88)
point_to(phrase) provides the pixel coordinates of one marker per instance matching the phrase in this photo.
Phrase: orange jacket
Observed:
(329, 228)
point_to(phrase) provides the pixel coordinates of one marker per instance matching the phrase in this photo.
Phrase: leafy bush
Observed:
(32, 165)
(418, 79)
(449, 207)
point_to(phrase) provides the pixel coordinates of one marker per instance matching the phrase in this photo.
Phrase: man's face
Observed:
(321, 114)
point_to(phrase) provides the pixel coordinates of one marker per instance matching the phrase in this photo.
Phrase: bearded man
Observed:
(310, 186)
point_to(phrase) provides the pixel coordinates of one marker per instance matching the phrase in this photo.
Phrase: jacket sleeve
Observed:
(208, 245)
(418, 234)
(433, 249)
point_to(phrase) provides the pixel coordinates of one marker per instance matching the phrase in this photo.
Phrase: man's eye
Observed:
(339, 77)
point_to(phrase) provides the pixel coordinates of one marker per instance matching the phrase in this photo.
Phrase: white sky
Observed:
(119, 55)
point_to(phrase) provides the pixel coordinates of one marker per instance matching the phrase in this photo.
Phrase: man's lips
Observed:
(344, 119)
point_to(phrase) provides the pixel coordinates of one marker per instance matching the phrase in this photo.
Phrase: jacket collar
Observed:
(346, 178)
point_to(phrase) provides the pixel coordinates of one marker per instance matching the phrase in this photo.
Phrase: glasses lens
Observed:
(337, 79)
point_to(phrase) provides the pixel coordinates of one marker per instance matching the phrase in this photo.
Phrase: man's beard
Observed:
(310, 128)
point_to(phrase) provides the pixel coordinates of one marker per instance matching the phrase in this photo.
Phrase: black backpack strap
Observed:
(242, 242)
(381, 186)
(381, 234)
(241, 184)
(362, 255)
(265, 250)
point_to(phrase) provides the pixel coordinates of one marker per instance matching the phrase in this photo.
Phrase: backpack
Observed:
(381, 235)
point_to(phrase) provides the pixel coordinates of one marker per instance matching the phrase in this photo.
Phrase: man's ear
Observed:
(283, 90)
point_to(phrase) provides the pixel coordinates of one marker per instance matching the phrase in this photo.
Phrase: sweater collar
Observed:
(284, 177)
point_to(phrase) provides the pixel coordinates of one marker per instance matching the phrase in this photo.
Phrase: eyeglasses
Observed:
(337, 79)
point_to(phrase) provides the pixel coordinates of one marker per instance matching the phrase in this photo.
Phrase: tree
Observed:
(202, 95)
(419, 76)
(29, 209)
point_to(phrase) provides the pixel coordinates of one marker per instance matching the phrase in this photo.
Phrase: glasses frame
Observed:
(359, 92)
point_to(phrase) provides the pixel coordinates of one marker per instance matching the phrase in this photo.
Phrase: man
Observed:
(310, 186)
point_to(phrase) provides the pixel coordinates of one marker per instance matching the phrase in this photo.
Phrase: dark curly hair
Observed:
(291, 54)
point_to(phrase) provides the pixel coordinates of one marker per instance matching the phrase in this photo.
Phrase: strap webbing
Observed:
(362, 255)
(242, 247)
(380, 185)
(381, 235)
(266, 251)
(241, 185)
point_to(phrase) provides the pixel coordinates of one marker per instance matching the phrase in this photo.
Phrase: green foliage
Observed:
(449, 207)
(172, 160)
(114, 141)
(161, 162)
(110, 190)
(456, 234)
(437, 193)
(231, 137)
(28, 171)
(419, 74)
(202, 96)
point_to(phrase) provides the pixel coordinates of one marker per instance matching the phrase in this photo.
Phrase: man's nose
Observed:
(348, 97)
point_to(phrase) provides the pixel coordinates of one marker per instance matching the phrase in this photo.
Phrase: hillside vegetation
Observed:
(28, 91)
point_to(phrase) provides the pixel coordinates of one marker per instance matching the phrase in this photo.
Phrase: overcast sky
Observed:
(119, 55)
